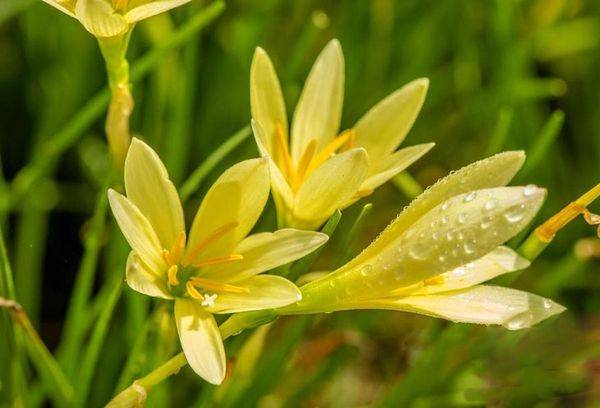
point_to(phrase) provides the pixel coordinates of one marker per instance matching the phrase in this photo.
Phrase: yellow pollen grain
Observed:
(217, 286)
(192, 291)
(211, 238)
(172, 275)
(219, 260)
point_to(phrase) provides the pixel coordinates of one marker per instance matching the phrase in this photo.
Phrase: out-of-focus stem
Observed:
(539, 239)
(114, 51)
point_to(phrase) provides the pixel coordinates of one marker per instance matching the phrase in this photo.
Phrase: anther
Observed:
(172, 275)
(193, 292)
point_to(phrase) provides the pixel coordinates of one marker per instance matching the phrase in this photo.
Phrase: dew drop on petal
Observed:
(489, 205)
(365, 270)
(515, 214)
(547, 304)
(486, 222)
(462, 217)
(529, 190)
(469, 247)
(470, 196)
(418, 252)
(446, 205)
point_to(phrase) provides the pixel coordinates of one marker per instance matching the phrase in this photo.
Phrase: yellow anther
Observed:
(192, 291)
(167, 257)
(214, 236)
(217, 286)
(219, 260)
(330, 149)
(283, 151)
(172, 275)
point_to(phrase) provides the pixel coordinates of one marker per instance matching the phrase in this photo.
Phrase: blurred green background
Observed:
(505, 74)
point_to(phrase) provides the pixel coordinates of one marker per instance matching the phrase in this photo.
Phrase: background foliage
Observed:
(505, 74)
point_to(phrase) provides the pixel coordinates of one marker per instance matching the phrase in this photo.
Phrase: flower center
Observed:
(310, 159)
(183, 273)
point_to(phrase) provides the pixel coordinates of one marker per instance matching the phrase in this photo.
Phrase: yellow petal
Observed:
(151, 9)
(149, 188)
(388, 167)
(319, 110)
(238, 196)
(330, 186)
(265, 251)
(99, 18)
(266, 99)
(200, 340)
(263, 292)
(480, 304)
(498, 262)
(56, 4)
(144, 280)
(494, 171)
(385, 126)
(137, 230)
(454, 233)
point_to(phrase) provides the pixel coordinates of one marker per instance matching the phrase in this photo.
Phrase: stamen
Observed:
(330, 149)
(217, 286)
(211, 238)
(167, 257)
(193, 292)
(303, 164)
(178, 247)
(172, 276)
(218, 261)
(284, 153)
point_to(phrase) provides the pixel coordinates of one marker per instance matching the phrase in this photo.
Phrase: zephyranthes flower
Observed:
(433, 258)
(310, 181)
(109, 18)
(216, 269)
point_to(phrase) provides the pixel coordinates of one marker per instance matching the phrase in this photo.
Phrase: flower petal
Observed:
(480, 304)
(137, 230)
(385, 126)
(144, 280)
(149, 188)
(263, 292)
(498, 262)
(265, 251)
(238, 196)
(99, 18)
(493, 171)
(59, 6)
(393, 164)
(151, 9)
(266, 99)
(331, 185)
(200, 340)
(319, 110)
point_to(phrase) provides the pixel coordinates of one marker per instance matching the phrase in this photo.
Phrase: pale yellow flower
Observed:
(217, 269)
(315, 170)
(435, 256)
(109, 18)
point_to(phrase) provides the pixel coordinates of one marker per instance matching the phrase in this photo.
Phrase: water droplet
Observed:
(332, 284)
(455, 253)
(486, 222)
(446, 205)
(436, 236)
(470, 196)
(365, 270)
(460, 271)
(450, 235)
(529, 190)
(442, 258)
(469, 247)
(515, 214)
(445, 219)
(489, 205)
(418, 252)
(460, 236)
(547, 303)
(462, 217)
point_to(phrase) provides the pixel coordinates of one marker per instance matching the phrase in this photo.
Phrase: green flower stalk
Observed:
(435, 256)
(112, 22)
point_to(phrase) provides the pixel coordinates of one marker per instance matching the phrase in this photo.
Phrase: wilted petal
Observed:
(238, 196)
(494, 171)
(144, 280)
(333, 183)
(262, 292)
(151, 9)
(384, 169)
(149, 188)
(137, 230)
(385, 126)
(200, 340)
(265, 251)
(266, 100)
(99, 18)
(319, 108)
(498, 262)
(481, 304)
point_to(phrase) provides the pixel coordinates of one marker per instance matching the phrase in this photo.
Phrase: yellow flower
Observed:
(106, 18)
(433, 258)
(315, 170)
(217, 269)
